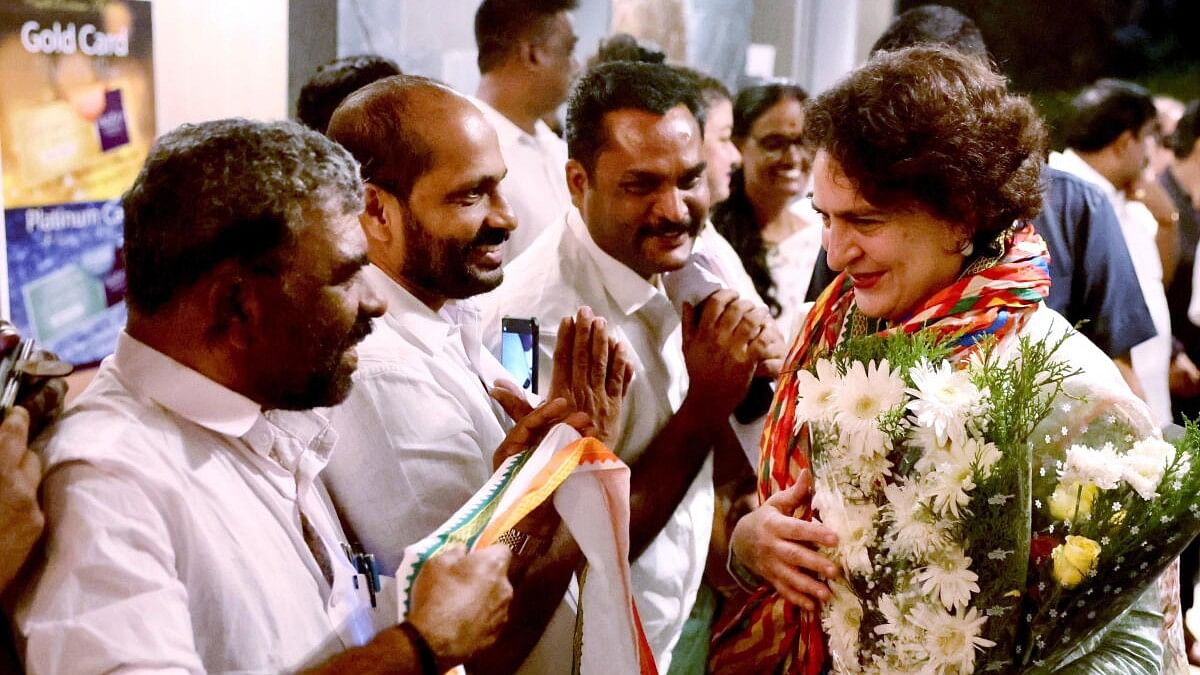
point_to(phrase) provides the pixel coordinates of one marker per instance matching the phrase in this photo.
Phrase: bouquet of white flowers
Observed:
(990, 514)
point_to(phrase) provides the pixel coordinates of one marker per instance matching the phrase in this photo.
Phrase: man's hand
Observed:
(533, 423)
(776, 546)
(1184, 377)
(592, 371)
(21, 519)
(724, 349)
(460, 602)
(771, 348)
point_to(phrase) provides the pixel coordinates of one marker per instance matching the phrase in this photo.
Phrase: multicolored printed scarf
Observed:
(590, 488)
(767, 634)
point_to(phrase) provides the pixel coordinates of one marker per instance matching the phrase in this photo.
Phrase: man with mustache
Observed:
(432, 413)
(637, 176)
(187, 528)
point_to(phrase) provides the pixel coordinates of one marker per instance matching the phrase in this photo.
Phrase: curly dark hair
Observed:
(230, 189)
(734, 218)
(932, 125)
(334, 81)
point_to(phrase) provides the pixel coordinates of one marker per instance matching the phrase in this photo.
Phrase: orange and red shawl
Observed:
(765, 634)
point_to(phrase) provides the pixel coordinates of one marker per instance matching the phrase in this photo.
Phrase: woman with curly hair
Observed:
(765, 218)
(926, 175)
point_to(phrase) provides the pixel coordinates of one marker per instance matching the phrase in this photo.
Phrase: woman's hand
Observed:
(775, 545)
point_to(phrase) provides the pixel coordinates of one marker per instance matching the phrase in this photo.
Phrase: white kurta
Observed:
(560, 272)
(174, 538)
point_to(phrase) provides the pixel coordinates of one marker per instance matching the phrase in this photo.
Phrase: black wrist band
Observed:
(421, 647)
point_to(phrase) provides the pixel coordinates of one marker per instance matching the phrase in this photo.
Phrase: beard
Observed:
(324, 376)
(443, 266)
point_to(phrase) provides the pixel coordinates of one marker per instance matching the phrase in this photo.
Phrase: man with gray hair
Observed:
(187, 528)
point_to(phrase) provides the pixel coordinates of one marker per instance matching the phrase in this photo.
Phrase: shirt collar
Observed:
(408, 315)
(182, 390)
(1070, 161)
(628, 289)
(507, 131)
(209, 404)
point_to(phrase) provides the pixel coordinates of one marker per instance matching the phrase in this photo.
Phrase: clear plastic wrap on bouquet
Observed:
(947, 485)
(1114, 506)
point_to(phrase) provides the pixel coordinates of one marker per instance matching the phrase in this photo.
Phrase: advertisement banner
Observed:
(76, 122)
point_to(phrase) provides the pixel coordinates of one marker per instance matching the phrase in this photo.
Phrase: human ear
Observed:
(230, 304)
(375, 219)
(577, 182)
(530, 53)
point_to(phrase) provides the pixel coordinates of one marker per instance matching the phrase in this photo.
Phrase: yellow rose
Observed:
(1074, 559)
(1069, 496)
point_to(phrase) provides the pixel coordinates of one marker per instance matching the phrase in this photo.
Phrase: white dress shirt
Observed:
(174, 535)
(563, 270)
(729, 266)
(536, 184)
(417, 434)
(418, 430)
(1152, 358)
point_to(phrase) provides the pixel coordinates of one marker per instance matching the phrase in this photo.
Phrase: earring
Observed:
(967, 248)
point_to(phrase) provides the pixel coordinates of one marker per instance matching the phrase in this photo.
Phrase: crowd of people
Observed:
(309, 373)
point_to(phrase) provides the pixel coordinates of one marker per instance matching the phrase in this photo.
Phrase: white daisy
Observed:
(865, 394)
(949, 577)
(986, 456)
(914, 532)
(934, 451)
(949, 486)
(1101, 467)
(944, 399)
(854, 525)
(1143, 467)
(951, 638)
(841, 619)
(815, 393)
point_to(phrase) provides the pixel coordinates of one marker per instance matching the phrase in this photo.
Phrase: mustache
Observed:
(690, 226)
(490, 236)
(362, 328)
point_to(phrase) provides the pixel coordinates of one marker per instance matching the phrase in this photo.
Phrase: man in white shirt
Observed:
(636, 174)
(435, 222)
(1110, 139)
(187, 529)
(526, 63)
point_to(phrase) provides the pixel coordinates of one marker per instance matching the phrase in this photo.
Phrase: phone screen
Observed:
(518, 350)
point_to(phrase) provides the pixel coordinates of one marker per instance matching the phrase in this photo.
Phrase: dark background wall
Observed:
(1051, 48)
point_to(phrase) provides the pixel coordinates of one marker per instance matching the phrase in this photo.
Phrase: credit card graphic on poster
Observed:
(76, 122)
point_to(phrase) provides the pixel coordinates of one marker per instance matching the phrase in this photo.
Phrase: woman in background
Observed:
(766, 219)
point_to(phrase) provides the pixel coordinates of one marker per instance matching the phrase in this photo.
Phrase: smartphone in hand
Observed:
(518, 350)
